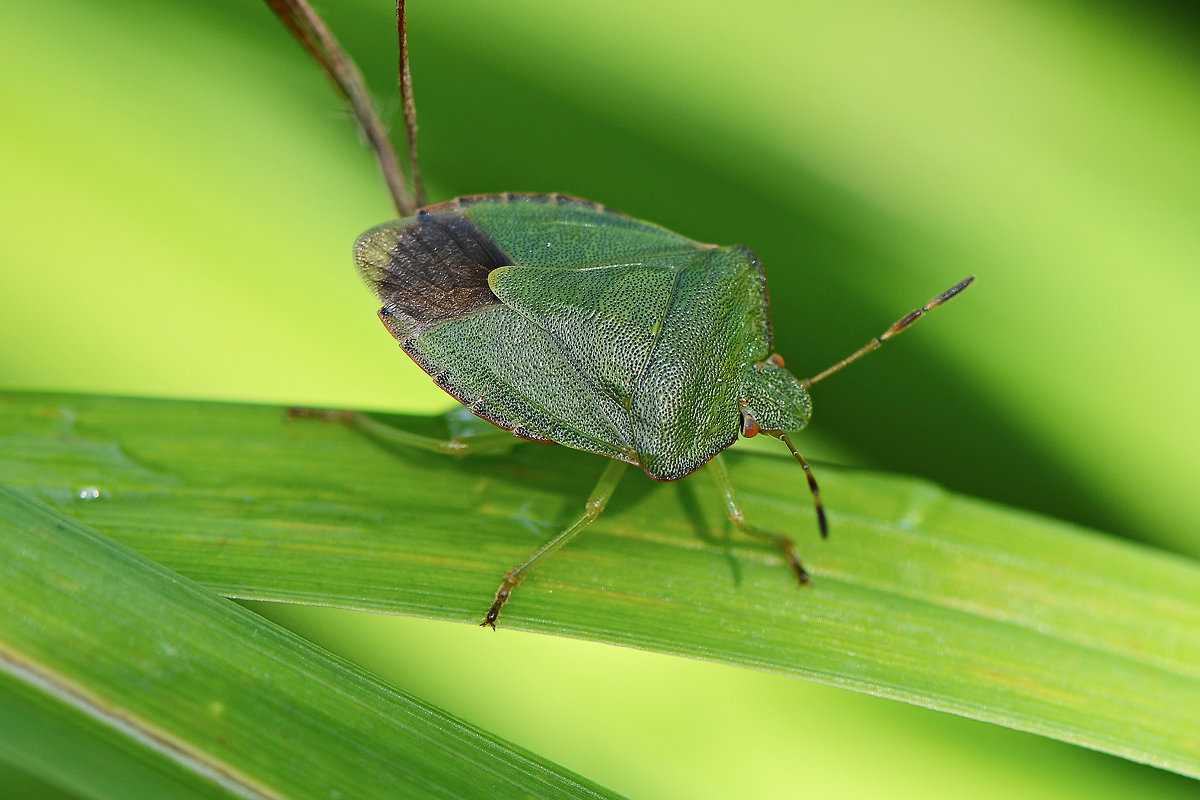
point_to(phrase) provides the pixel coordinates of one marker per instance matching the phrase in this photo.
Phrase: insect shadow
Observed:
(560, 320)
(693, 512)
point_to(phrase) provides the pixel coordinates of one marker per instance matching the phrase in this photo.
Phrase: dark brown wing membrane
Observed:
(430, 269)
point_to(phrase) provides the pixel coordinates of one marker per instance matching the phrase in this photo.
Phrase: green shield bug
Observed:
(563, 321)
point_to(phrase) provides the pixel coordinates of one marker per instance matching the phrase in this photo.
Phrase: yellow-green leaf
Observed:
(119, 679)
(919, 595)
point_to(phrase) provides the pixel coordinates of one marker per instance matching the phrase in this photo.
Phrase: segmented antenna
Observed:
(812, 487)
(896, 327)
(312, 32)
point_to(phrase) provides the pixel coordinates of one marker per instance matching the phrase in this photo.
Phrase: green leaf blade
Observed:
(919, 595)
(198, 694)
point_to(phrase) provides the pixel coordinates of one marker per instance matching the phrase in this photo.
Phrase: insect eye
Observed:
(749, 423)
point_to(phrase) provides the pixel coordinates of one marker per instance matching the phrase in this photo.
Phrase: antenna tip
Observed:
(953, 290)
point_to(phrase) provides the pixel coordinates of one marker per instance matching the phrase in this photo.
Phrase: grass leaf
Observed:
(919, 595)
(120, 679)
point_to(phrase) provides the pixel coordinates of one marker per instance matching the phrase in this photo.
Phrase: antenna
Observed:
(896, 327)
(822, 522)
(312, 32)
(410, 105)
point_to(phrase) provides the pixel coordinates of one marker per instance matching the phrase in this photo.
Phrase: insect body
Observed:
(564, 321)
(561, 320)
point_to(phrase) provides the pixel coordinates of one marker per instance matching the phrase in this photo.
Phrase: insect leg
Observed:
(410, 106)
(494, 440)
(310, 30)
(734, 512)
(595, 504)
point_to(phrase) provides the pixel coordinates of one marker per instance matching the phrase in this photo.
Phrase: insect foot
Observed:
(502, 595)
(788, 548)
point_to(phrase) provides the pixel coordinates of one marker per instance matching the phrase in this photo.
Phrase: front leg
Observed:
(734, 512)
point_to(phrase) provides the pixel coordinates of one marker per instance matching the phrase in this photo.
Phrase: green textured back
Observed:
(565, 321)
(608, 319)
(562, 232)
(686, 408)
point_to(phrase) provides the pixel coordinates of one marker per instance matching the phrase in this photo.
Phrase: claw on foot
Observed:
(493, 613)
(793, 560)
(489, 619)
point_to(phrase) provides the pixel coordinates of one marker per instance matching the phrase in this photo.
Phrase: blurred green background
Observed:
(181, 189)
